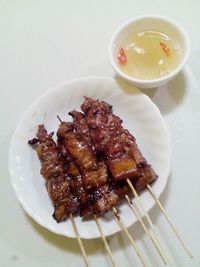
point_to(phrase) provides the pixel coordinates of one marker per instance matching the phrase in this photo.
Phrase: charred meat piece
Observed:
(98, 120)
(48, 155)
(145, 176)
(74, 177)
(95, 177)
(81, 127)
(78, 189)
(64, 201)
(93, 173)
(76, 146)
(53, 172)
(108, 196)
(103, 198)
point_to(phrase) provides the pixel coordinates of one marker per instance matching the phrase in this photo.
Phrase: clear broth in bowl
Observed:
(148, 55)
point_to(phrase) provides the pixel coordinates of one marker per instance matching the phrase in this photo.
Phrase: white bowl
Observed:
(140, 116)
(149, 23)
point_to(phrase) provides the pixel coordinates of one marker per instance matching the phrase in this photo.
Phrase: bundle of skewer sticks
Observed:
(152, 235)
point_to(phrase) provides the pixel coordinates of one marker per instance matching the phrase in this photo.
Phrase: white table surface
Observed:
(43, 43)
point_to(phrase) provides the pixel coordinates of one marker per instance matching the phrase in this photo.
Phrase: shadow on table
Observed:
(65, 243)
(137, 232)
(167, 97)
(170, 96)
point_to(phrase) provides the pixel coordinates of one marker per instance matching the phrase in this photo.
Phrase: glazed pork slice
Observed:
(145, 176)
(56, 181)
(82, 128)
(108, 196)
(104, 198)
(74, 177)
(93, 172)
(64, 201)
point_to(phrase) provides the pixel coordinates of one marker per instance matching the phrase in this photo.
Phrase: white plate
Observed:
(139, 115)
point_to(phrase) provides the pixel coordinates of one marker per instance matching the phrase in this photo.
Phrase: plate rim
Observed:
(49, 91)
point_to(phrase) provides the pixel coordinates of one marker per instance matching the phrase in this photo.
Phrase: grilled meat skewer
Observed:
(56, 180)
(123, 157)
(106, 196)
(93, 172)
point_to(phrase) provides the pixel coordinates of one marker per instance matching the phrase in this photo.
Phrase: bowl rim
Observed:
(167, 77)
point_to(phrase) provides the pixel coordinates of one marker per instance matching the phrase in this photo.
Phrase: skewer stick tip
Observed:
(170, 222)
(79, 240)
(59, 118)
(104, 241)
(124, 228)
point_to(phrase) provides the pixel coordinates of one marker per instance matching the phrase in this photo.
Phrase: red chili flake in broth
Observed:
(165, 48)
(121, 56)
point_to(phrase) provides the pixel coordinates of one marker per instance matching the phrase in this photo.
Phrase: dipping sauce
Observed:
(148, 55)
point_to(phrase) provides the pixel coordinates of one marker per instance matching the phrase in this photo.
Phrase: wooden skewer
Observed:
(170, 221)
(79, 240)
(77, 233)
(100, 230)
(146, 215)
(105, 241)
(59, 118)
(149, 234)
(123, 227)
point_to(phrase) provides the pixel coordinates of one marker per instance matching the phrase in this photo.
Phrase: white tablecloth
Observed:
(43, 43)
